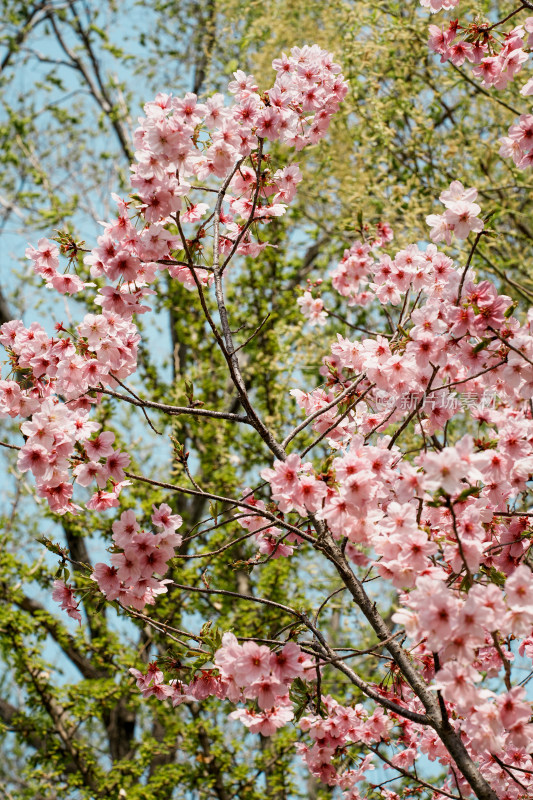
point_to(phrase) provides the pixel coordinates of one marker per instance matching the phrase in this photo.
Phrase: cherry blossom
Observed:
(65, 596)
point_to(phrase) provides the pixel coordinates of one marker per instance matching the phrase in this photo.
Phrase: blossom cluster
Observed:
(65, 595)
(181, 138)
(463, 632)
(45, 259)
(518, 144)
(177, 139)
(350, 272)
(139, 556)
(460, 217)
(496, 63)
(294, 486)
(312, 308)
(497, 60)
(438, 5)
(263, 676)
(335, 727)
(242, 672)
(363, 274)
(58, 436)
(429, 524)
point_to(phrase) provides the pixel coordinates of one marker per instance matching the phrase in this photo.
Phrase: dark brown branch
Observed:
(177, 410)
(32, 20)
(102, 99)
(5, 312)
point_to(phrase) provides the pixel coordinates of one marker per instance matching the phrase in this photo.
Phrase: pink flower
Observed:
(64, 595)
(66, 284)
(437, 5)
(124, 528)
(100, 446)
(266, 722)
(101, 501)
(107, 580)
(311, 492)
(152, 683)
(519, 589)
(252, 664)
(154, 560)
(128, 569)
(512, 707)
(443, 470)
(195, 213)
(163, 518)
(456, 682)
(437, 616)
(289, 662)
(227, 655)
(34, 457)
(90, 471)
(46, 254)
(462, 218)
(115, 463)
(243, 84)
(58, 497)
(266, 691)
(273, 546)
(284, 475)
(312, 308)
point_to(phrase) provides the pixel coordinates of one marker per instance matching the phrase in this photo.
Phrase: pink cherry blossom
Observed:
(64, 595)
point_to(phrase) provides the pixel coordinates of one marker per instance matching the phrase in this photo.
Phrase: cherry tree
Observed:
(413, 474)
